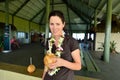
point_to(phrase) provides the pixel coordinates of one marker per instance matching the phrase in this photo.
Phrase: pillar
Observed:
(7, 29)
(47, 25)
(108, 31)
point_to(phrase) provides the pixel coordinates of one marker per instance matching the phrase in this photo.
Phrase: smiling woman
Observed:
(64, 47)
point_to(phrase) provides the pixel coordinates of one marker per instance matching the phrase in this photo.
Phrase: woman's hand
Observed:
(76, 65)
(58, 63)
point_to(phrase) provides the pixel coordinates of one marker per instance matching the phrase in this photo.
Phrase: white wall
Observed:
(114, 37)
(8, 75)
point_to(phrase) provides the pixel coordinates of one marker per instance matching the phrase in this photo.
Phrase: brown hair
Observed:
(57, 13)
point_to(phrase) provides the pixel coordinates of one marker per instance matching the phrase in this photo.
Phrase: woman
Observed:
(64, 47)
(14, 41)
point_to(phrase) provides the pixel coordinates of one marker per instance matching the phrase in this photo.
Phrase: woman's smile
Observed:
(56, 25)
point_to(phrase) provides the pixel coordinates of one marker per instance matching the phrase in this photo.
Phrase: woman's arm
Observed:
(76, 65)
(44, 72)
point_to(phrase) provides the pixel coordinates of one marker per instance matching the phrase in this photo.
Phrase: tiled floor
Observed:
(21, 57)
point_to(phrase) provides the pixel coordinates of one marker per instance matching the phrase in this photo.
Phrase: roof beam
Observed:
(88, 7)
(42, 17)
(80, 15)
(116, 6)
(21, 7)
(43, 1)
(37, 14)
(87, 4)
(75, 11)
(83, 15)
(102, 2)
(56, 3)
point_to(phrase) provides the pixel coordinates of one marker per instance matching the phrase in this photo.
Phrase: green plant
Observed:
(112, 46)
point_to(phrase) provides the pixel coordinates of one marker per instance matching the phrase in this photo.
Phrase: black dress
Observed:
(69, 45)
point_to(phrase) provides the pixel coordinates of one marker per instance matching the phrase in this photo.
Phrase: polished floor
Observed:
(20, 58)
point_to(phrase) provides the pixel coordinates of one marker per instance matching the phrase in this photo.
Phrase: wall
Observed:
(114, 37)
(20, 24)
(2, 18)
(34, 27)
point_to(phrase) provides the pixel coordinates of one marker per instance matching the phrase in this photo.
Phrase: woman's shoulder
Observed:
(72, 42)
(68, 37)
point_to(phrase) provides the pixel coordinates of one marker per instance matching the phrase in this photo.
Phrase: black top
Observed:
(69, 45)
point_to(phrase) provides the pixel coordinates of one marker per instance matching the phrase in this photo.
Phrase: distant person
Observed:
(14, 42)
(42, 39)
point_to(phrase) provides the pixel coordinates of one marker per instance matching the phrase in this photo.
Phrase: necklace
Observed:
(58, 52)
(59, 48)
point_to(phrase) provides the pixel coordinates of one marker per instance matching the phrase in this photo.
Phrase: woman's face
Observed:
(56, 25)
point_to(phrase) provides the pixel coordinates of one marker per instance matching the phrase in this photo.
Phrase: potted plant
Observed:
(113, 47)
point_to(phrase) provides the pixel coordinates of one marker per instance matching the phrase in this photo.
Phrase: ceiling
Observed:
(78, 13)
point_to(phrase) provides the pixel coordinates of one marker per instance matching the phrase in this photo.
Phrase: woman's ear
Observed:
(63, 24)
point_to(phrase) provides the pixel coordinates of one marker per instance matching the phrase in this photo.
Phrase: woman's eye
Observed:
(51, 24)
(57, 24)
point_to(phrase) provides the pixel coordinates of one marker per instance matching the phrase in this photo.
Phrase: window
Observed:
(82, 35)
(78, 36)
(21, 35)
